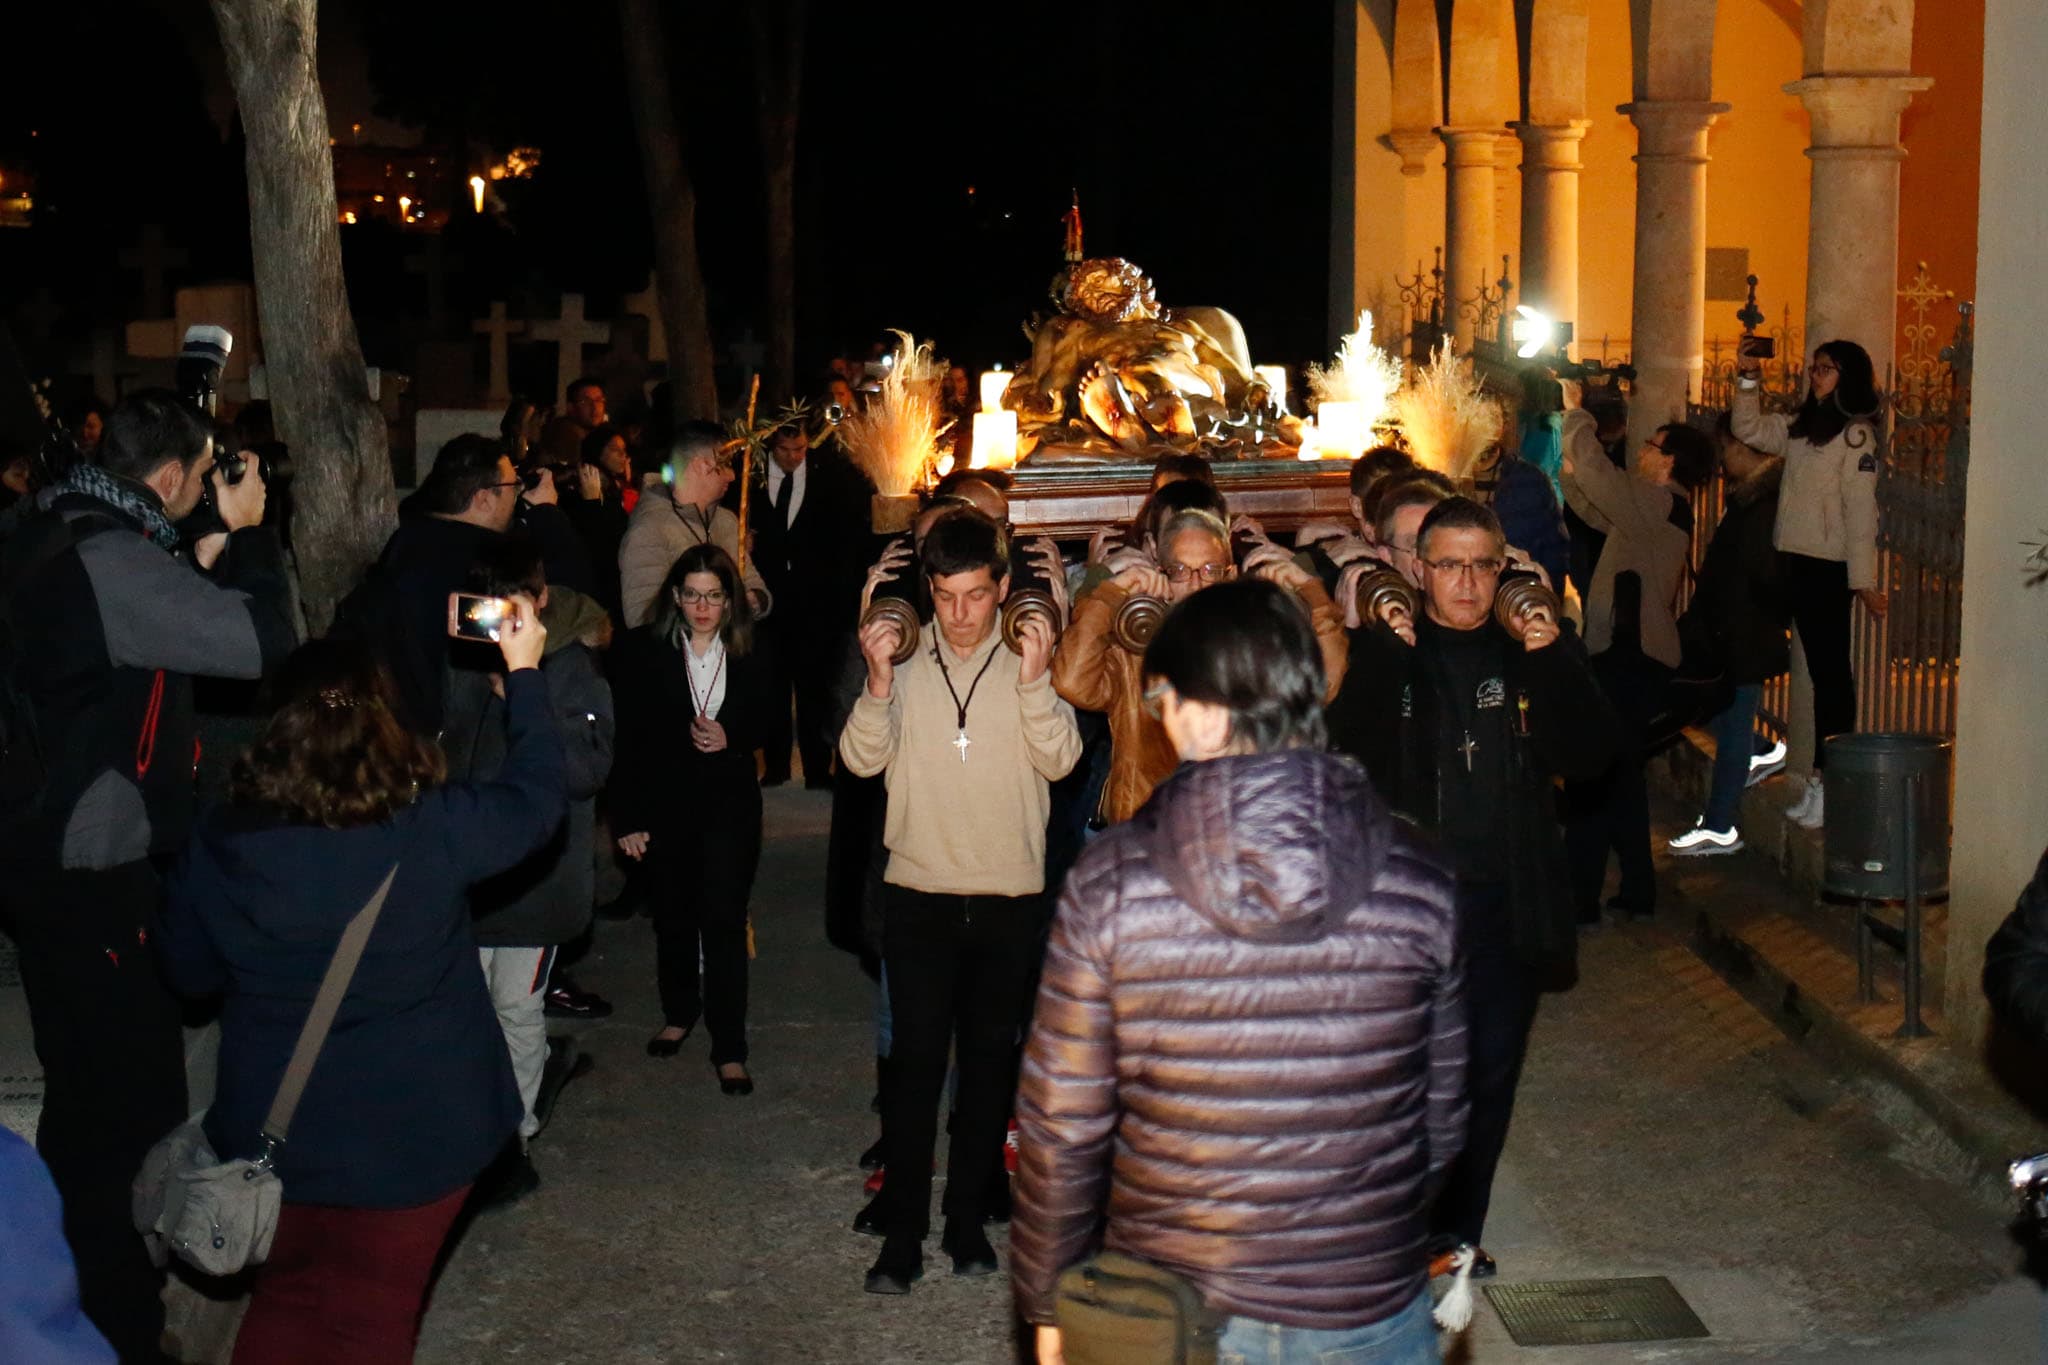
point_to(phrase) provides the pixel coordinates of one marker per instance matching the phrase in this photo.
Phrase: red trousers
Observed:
(344, 1286)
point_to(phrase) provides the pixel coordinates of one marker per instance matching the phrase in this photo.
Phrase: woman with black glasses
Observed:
(685, 797)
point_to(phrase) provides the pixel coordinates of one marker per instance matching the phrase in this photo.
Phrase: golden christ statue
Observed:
(1114, 375)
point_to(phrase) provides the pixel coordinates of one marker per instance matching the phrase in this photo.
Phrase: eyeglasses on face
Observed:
(1823, 367)
(1153, 698)
(1478, 568)
(690, 597)
(1208, 573)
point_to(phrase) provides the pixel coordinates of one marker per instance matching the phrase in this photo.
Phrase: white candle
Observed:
(993, 382)
(1345, 429)
(995, 440)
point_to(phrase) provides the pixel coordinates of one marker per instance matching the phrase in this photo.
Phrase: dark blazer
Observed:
(413, 1093)
(2016, 962)
(815, 566)
(1388, 715)
(660, 778)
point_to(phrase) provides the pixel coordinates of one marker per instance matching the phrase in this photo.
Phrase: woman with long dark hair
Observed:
(1250, 1044)
(686, 799)
(412, 1094)
(1827, 524)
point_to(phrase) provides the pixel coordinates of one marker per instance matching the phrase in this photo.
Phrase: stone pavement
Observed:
(1665, 1128)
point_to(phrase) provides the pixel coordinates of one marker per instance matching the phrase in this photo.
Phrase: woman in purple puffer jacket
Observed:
(1249, 1043)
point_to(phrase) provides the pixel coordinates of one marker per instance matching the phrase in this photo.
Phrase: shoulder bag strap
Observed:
(333, 986)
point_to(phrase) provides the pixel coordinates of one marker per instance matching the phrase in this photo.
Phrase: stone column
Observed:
(2001, 803)
(1550, 216)
(1852, 254)
(1415, 146)
(1469, 205)
(1670, 308)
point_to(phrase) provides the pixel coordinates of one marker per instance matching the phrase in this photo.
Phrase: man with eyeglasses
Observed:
(1096, 674)
(1465, 724)
(467, 502)
(699, 471)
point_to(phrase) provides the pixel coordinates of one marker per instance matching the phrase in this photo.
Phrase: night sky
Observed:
(1198, 135)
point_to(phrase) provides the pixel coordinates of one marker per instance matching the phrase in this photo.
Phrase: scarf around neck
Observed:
(127, 496)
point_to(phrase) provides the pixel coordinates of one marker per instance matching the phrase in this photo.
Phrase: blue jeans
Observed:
(1407, 1338)
(1733, 730)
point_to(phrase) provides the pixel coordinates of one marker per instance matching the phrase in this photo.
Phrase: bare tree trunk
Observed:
(778, 30)
(672, 199)
(319, 391)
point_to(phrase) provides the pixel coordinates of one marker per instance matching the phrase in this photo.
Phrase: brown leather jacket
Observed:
(1096, 674)
(1249, 1047)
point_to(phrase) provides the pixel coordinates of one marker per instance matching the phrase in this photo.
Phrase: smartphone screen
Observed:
(473, 616)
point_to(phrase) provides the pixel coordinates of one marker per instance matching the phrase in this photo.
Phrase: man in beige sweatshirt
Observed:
(683, 511)
(968, 735)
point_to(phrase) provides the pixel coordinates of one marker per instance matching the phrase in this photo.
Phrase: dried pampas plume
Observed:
(1361, 373)
(1446, 416)
(895, 438)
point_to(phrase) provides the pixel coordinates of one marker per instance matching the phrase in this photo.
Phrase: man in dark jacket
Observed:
(812, 543)
(472, 496)
(1465, 729)
(1736, 631)
(528, 911)
(1249, 1042)
(112, 621)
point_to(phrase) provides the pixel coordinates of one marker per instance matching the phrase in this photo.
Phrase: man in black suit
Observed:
(812, 543)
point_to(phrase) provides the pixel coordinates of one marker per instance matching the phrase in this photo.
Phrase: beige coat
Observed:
(973, 827)
(1827, 504)
(1641, 539)
(656, 535)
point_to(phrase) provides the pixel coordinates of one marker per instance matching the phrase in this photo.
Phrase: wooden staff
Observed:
(747, 471)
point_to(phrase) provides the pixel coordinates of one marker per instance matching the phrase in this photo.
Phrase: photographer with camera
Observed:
(1632, 634)
(464, 506)
(109, 624)
(1465, 723)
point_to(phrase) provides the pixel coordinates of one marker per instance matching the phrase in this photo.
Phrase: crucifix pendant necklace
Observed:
(961, 741)
(1468, 748)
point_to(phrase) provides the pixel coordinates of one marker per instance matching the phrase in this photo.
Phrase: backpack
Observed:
(24, 766)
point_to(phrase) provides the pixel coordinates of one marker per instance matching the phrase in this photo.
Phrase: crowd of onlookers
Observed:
(1319, 845)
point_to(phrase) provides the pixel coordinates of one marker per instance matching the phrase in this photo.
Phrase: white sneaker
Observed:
(1796, 812)
(1810, 812)
(1701, 842)
(1767, 764)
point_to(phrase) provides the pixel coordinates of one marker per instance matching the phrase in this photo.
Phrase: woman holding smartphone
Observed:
(686, 799)
(1826, 533)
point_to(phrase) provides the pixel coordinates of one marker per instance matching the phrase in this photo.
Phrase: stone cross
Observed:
(647, 304)
(499, 329)
(747, 353)
(103, 361)
(571, 333)
(432, 262)
(154, 258)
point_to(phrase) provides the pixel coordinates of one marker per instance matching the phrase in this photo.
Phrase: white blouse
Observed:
(707, 676)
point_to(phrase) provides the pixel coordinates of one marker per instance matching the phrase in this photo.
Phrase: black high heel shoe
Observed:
(733, 1085)
(658, 1046)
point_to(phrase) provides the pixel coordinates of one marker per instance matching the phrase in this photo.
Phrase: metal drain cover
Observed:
(1589, 1312)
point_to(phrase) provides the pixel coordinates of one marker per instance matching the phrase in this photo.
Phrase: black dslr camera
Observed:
(200, 362)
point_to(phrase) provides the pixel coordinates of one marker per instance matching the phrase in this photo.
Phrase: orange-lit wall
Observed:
(1757, 177)
(1938, 182)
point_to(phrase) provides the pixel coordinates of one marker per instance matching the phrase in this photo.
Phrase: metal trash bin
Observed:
(1865, 845)
(1887, 840)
